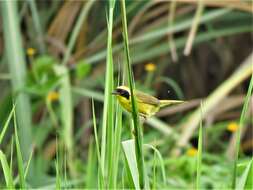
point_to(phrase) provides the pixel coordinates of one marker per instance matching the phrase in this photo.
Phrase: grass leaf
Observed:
(6, 124)
(21, 170)
(129, 152)
(137, 127)
(241, 124)
(6, 171)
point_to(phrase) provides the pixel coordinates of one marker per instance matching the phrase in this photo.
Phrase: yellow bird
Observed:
(147, 105)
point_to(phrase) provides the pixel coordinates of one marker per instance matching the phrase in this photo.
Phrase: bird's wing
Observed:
(145, 98)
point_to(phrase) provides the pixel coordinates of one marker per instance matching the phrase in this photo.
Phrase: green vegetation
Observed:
(61, 126)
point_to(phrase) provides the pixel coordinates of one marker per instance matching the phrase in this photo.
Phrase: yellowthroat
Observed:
(147, 105)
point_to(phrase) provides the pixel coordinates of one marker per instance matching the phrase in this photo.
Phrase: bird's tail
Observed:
(170, 102)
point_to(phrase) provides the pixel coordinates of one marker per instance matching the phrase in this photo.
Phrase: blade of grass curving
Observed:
(6, 171)
(19, 156)
(108, 110)
(84, 13)
(16, 63)
(6, 124)
(246, 178)
(37, 26)
(199, 157)
(174, 85)
(161, 162)
(241, 124)
(137, 127)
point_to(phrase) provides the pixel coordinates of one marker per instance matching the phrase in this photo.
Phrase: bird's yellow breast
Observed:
(143, 108)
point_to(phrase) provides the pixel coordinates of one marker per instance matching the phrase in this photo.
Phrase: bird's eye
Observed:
(125, 94)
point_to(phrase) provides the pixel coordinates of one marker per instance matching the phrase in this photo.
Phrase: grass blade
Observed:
(238, 132)
(108, 110)
(158, 155)
(246, 178)
(28, 164)
(117, 140)
(37, 26)
(66, 112)
(16, 63)
(199, 158)
(135, 115)
(101, 174)
(19, 156)
(6, 124)
(6, 171)
(131, 163)
(84, 13)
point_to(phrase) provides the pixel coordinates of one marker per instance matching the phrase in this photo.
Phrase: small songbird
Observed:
(147, 105)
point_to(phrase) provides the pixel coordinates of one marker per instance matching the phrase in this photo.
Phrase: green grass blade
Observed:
(83, 15)
(117, 140)
(16, 63)
(6, 124)
(6, 171)
(161, 162)
(21, 170)
(28, 163)
(108, 110)
(57, 168)
(199, 156)
(131, 163)
(246, 181)
(90, 175)
(37, 26)
(66, 112)
(101, 174)
(238, 132)
(135, 115)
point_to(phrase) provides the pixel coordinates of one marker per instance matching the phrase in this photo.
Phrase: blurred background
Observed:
(53, 62)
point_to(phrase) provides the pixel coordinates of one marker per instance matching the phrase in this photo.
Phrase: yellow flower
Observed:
(30, 51)
(150, 67)
(53, 96)
(232, 127)
(192, 152)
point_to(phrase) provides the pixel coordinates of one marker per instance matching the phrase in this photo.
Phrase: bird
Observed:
(147, 105)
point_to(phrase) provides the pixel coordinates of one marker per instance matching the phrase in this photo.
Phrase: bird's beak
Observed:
(114, 93)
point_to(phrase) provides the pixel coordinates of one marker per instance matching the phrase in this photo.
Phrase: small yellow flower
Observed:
(30, 51)
(53, 96)
(232, 127)
(150, 67)
(192, 152)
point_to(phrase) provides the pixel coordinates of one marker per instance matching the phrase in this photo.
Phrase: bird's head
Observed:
(122, 91)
